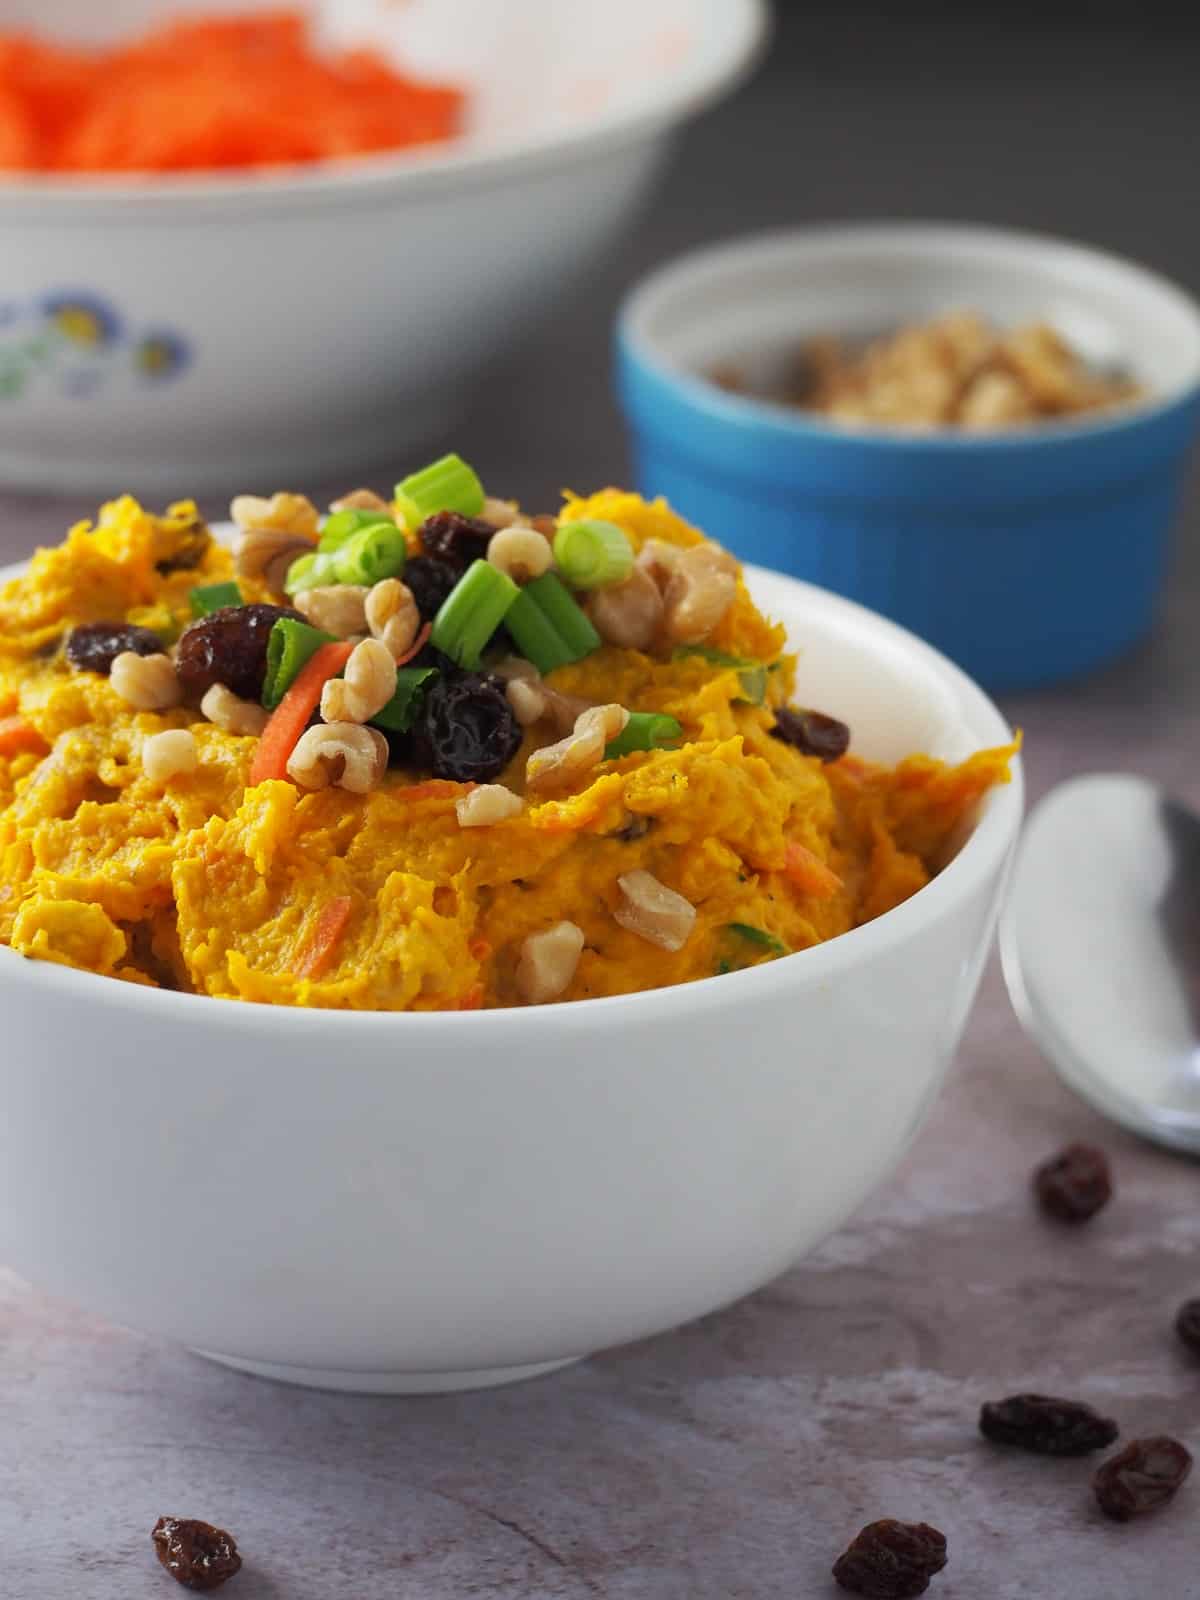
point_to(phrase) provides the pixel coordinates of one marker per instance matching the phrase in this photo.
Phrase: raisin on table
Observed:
(197, 1555)
(94, 646)
(1047, 1426)
(1187, 1324)
(1074, 1184)
(230, 647)
(891, 1560)
(812, 733)
(1143, 1477)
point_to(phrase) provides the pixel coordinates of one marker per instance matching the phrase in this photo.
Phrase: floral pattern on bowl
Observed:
(77, 344)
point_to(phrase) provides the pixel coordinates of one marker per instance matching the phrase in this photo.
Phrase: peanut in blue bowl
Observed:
(1028, 555)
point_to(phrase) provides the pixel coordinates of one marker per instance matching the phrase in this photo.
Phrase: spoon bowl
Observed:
(1100, 942)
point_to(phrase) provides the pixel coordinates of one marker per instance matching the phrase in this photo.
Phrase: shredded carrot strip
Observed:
(416, 646)
(209, 91)
(19, 737)
(331, 925)
(432, 789)
(290, 717)
(472, 1000)
(809, 873)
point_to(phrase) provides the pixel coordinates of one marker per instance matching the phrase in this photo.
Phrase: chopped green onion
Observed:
(374, 552)
(210, 597)
(548, 625)
(408, 512)
(752, 675)
(722, 968)
(289, 646)
(400, 712)
(306, 572)
(645, 730)
(758, 936)
(343, 525)
(471, 613)
(592, 555)
(446, 485)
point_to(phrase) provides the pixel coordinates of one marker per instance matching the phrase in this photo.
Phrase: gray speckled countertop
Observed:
(735, 1457)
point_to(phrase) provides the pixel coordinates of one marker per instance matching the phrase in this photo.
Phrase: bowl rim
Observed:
(984, 852)
(739, 29)
(638, 345)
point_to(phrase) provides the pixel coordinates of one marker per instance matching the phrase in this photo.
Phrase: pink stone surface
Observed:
(733, 1459)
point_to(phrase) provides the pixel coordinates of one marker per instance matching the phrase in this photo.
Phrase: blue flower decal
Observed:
(160, 354)
(82, 319)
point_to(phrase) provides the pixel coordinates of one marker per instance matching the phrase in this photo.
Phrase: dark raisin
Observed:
(94, 646)
(891, 1560)
(189, 552)
(228, 647)
(430, 580)
(1046, 1426)
(812, 733)
(196, 1554)
(1074, 1184)
(1187, 1324)
(1141, 1478)
(455, 539)
(466, 729)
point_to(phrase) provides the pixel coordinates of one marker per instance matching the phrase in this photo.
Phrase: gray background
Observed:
(734, 1458)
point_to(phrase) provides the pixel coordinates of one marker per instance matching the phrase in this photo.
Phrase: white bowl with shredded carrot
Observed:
(602, 978)
(200, 286)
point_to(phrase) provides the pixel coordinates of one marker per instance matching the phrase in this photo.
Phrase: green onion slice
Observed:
(210, 597)
(289, 647)
(548, 625)
(471, 613)
(377, 551)
(343, 525)
(401, 710)
(307, 572)
(446, 485)
(645, 730)
(752, 675)
(592, 554)
(758, 936)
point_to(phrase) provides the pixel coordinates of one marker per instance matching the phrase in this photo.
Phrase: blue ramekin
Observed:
(1029, 555)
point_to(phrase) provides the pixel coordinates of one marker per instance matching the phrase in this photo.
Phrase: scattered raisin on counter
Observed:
(429, 581)
(1047, 1426)
(455, 539)
(812, 733)
(1074, 1184)
(1142, 1477)
(1187, 1324)
(229, 647)
(94, 646)
(891, 1560)
(196, 1554)
(466, 729)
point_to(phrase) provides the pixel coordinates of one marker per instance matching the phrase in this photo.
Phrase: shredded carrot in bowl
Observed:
(209, 92)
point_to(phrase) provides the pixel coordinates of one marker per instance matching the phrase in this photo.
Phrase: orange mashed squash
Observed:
(383, 900)
(208, 92)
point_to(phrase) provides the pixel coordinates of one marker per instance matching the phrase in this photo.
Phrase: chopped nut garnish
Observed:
(654, 912)
(548, 962)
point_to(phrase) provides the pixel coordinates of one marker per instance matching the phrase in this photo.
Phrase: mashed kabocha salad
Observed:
(429, 754)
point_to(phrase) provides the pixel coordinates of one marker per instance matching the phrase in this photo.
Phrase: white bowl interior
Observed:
(753, 302)
(533, 68)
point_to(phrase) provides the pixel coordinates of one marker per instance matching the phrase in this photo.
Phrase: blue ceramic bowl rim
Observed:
(778, 423)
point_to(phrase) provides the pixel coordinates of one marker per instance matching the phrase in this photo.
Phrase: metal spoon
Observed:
(1100, 942)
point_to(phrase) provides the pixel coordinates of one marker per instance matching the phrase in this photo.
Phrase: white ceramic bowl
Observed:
(201, 330)
(426, 1202)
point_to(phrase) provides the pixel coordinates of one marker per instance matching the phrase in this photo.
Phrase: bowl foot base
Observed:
(389, 1382)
